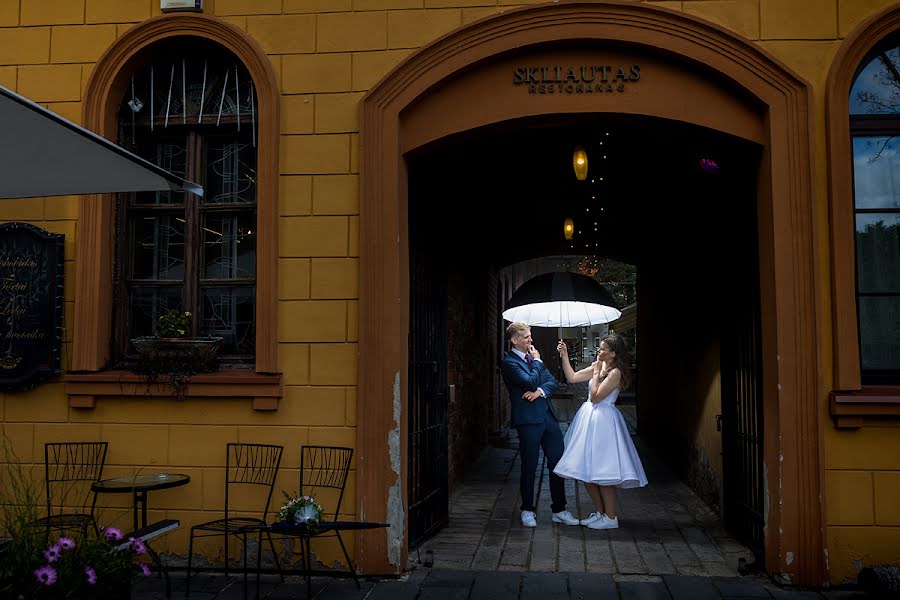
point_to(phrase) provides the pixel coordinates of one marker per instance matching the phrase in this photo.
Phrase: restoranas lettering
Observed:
(584, 79)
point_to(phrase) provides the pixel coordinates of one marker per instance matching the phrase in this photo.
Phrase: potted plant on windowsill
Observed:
(174, 354)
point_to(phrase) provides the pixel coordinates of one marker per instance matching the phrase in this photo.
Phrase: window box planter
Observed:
(177, 356)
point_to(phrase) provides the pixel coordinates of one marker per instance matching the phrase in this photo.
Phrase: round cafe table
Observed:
(140, 485)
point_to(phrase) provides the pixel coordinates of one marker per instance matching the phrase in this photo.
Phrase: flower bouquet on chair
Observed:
(300, 510)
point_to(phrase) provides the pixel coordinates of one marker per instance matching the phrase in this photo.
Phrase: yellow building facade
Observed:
(327, 76)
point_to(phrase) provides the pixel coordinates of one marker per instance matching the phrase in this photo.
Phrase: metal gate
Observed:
(428, 396)
(742, 443)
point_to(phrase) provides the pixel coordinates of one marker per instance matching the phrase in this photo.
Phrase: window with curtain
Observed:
(190, 107)
(875, 131)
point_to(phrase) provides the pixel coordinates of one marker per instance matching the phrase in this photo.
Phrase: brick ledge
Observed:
(264, 389)
(868, 406)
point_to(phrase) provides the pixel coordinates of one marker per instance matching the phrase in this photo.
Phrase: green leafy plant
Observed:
(82, 567)
(174, 323)
(90, 567)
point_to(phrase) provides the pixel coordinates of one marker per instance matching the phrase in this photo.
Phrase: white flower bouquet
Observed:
(300, 509)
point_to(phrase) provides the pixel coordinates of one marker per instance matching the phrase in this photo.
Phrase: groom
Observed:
(530, 386)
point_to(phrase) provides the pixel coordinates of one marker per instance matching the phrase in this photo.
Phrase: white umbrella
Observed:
(561, 300)
(43, 154)
(562, 314)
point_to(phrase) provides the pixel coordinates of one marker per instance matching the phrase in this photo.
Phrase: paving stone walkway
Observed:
(665, 529)
(436, 584)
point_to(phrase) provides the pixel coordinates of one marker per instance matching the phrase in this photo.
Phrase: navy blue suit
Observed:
(537, 424)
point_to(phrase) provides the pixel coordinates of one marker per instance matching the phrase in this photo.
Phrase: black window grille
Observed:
(190, 107)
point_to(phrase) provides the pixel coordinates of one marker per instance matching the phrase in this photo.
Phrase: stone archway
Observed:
(691, 71)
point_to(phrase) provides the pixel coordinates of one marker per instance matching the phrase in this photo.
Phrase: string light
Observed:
(580, 163)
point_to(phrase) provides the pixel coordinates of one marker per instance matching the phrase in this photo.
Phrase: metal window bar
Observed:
(428, 488)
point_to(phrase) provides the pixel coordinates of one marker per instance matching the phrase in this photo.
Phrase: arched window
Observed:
(863, 124)
(189, 107)
(874, 128)
(140, 254)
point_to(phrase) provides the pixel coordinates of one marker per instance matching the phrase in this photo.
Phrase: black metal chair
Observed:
(70, 468)
(323, 469)
(246, 466)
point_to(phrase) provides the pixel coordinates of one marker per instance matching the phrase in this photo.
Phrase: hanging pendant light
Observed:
(580, 163)
(568, 228)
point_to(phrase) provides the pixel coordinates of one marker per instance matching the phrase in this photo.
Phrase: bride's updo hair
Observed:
(616, 343)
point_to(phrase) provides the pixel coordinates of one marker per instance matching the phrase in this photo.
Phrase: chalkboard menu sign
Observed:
(31, 305)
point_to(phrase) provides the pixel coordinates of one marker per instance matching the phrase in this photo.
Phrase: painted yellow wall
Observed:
(326, 54)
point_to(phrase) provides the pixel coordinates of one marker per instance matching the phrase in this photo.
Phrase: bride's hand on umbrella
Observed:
(562, 348)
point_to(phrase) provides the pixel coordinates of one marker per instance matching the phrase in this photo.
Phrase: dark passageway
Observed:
(676, 201)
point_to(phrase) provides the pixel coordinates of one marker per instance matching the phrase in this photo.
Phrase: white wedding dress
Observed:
(599, 449)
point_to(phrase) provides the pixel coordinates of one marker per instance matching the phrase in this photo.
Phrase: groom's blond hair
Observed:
(516, 327)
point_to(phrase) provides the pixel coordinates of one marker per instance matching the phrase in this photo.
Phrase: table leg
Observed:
(162, 569)
(135, 502)
(143, 509)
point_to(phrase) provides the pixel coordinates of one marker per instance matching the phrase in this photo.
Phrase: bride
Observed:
(599, 450)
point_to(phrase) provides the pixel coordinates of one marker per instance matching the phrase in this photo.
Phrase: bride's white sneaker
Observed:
(605, 522)
(528, 519)
(566, 517)
(594, 516)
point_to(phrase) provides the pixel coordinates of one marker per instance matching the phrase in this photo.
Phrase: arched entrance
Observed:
(528, 63)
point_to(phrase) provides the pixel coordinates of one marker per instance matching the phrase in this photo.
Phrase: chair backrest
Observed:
(65, 465)
(325, 467)
(252, 465)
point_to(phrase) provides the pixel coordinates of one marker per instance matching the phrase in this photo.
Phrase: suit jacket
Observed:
(521, 378)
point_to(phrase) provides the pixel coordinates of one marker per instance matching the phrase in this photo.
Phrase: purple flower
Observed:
(91, 576)
(112, 533)
(52, 554)
(138, 545)
(65, 543)
(144, 569)
(45, 575)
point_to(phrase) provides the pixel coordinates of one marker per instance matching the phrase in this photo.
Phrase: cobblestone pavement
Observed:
(665, 529)
(437, 584)
(669, 546)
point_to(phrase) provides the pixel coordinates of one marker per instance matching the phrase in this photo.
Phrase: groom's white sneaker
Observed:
(566, 517)
(528, 519)
(605, 522)
(594, 516)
